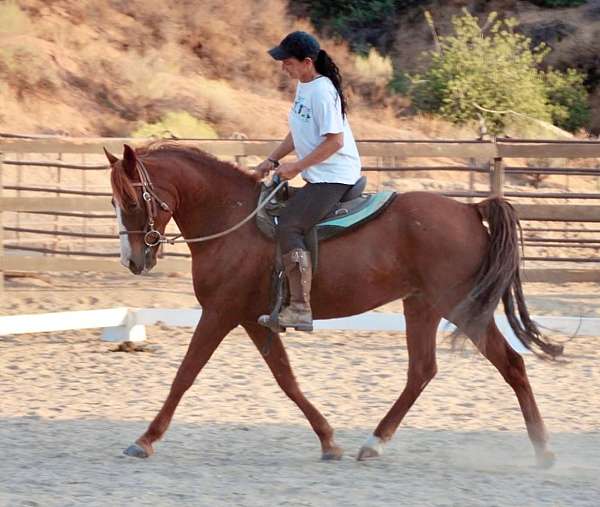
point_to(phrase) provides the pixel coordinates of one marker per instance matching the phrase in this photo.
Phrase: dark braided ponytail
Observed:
(325, 66)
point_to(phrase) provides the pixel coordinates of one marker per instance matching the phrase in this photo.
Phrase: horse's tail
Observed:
(499, 278)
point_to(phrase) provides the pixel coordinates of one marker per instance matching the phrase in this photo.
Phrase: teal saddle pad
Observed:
(345, 219)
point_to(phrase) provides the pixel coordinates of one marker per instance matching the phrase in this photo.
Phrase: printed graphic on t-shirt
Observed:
(301, 109)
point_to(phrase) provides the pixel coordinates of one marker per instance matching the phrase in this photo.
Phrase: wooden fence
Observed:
(488, 158)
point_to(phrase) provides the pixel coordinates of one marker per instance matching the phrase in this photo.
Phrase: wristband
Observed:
(274, 162)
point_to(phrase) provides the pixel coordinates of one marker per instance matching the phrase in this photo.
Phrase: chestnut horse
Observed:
(432, 252)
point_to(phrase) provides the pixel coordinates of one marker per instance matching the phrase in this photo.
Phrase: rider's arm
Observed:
(331, 144)
(285, 148)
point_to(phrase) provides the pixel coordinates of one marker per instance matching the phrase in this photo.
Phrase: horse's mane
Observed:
(197, 156)
(125, 193)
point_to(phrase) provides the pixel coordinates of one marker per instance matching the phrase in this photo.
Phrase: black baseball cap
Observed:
(299, 45)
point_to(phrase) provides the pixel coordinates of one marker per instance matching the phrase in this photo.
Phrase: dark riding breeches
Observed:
(304, 210)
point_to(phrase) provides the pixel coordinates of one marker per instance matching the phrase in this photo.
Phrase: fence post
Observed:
(57, 220)
(473, 162)
(84, 186)
(1, 228)
(497, 177)
(20, 157)
(240, 160)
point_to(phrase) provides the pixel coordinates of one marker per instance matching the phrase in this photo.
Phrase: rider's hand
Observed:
(262, 169)
(288, 171)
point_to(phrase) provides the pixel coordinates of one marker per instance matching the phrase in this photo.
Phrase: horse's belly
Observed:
(360, 272)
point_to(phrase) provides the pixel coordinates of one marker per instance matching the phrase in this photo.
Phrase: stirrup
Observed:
(272, 323)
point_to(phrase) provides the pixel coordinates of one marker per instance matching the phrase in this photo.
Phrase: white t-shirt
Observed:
(317, 110)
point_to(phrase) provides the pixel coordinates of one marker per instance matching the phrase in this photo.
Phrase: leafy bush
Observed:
(568, 99)
(558, 3)
(400, 83)
(361, 22)
(496, 69)
(343, 15)
(176, 124)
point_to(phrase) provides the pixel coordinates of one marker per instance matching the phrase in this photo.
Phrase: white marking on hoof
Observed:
(545, 459)
(372, 448)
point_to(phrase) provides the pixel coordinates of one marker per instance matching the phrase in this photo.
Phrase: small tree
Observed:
(498, 69)
(568, 99)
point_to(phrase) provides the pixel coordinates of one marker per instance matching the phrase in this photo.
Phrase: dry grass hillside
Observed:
(105, 67)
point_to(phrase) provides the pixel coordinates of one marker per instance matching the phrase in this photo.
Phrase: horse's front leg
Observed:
(277, 359)
(208, 335)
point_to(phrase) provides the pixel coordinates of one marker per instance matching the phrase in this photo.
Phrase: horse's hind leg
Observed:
(279, 364)
(421, 326)
(512, 367)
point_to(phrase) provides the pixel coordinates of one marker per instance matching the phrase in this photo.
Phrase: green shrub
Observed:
(568, 99)
(496, 69)
(343, 15)
(356, 19)
(177, 124)
(400, 83)
(558, 3)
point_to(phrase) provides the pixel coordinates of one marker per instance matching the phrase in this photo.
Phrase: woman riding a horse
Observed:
(329, 162)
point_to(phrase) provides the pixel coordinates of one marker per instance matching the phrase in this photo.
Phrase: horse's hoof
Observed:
(333, 454)
(545, 459)
(372, 448)
(136, 451)
(366, 453)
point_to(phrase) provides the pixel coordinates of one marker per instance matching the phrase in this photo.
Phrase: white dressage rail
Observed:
(120, 324)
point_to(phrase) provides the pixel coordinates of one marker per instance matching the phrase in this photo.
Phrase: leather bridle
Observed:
(152, 237)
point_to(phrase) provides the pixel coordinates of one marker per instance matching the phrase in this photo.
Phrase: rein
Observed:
(153, 238)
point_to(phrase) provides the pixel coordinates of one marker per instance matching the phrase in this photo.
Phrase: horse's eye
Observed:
(131, 206)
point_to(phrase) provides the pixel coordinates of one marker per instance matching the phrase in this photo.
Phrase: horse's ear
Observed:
(111, 158)
(129, 161)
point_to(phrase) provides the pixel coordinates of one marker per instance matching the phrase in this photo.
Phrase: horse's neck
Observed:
(211, 205)
(210, 202)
